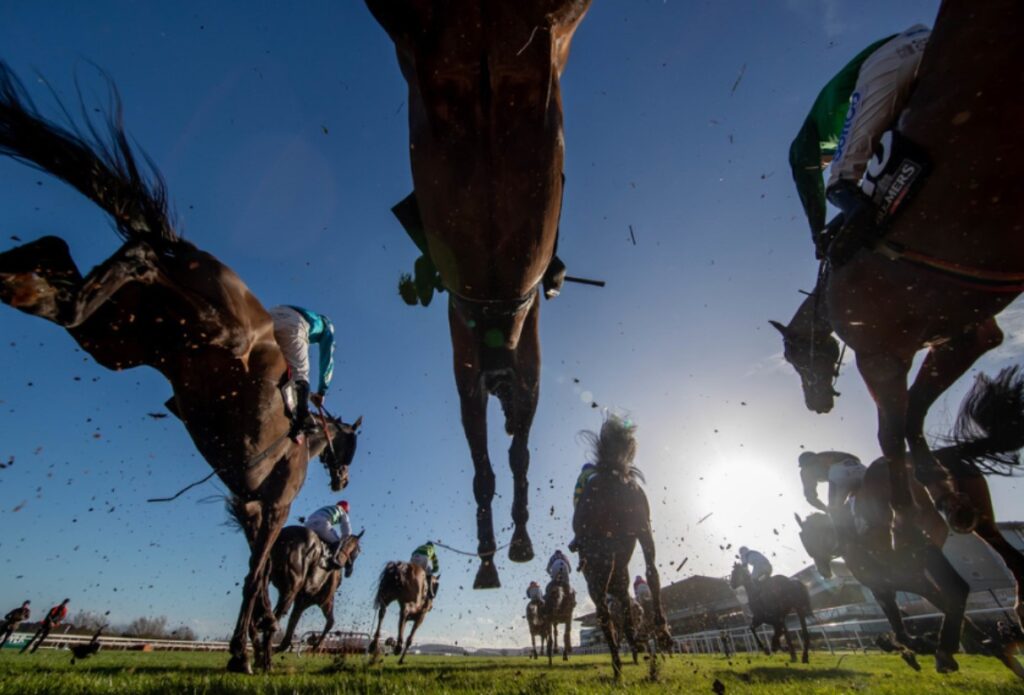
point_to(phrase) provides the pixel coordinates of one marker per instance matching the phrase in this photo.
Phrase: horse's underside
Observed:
(485, 128)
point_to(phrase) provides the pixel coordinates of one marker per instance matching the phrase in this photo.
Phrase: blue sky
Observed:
(282, 135)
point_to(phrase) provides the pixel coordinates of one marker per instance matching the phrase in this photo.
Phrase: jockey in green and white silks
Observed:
(322, 523)
(295, 329)
(559, 568)
(845, 122)
(425, 557)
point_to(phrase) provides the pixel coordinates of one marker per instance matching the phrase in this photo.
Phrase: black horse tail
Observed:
(989, 430)
(235, 507)
(390, 571)
(103, 169)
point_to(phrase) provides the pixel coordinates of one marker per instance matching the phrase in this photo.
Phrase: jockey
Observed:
(845, 122)
(13, 620)
(426, 558)
(587, 472)
(322, 523)
(559, 568)
(843, 472)
(295, 329)
(641, 590)
(760, 568)
(533, 592)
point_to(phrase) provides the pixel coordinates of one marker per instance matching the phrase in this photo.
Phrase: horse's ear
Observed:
(357, 423)
(779, 327)
(360, 534)
(799, 521)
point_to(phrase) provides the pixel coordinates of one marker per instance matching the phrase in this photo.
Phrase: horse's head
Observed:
(816, 360)
(338, 453)
(350, 548)
(740, 575)
(818, 535)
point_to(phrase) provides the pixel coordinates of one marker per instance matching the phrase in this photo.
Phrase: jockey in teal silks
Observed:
(295, 329)
(844, 124)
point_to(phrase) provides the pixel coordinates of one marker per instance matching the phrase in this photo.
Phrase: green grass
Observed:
(133, 672)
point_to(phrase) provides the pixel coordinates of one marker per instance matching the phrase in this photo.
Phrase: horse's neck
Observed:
(808, 321)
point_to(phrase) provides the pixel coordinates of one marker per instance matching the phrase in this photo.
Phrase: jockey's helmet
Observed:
(806, 458)
(744, 550)
(344, 505)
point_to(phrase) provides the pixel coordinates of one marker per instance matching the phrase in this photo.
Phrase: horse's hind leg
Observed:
(519, 418)
(942, 366)
(412, 633)
(977, 489)
(805, 636)
(789, 640)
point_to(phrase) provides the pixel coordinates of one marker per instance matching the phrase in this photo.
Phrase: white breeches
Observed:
(883, 87)
(292, 335)
(323, 528)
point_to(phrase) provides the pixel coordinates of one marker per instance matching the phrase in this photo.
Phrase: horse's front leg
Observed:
(327, 608)
(403, 614)
(268, 521)
(519, 415)
(942, 367)
(886, 378)
(761, 646)
(473, 402)
(412, 633)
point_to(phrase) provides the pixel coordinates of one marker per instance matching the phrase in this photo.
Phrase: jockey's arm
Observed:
(810, 482)
(326, 349)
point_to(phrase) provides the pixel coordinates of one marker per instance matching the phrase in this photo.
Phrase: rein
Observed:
(972, 278)
(463, 552)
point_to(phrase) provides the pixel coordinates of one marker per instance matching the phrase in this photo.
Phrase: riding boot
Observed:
(303, 421)
(554, 278)
(857, 227)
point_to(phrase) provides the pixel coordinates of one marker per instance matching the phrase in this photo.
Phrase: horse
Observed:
(990, 426)
(405, 583)
(951, 260)
(642, 634)
(486, 148)
(161, 302)
(538, 625)
(771, 601)
(559, 603)
(612, 515)
(298, 572)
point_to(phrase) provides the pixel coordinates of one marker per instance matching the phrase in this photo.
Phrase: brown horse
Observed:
(406, 583)
(298, 571)
(611, 517)
(771, 601)
(538, 625)
(485, 132)
(950, 262)
(989, 428)
(642, 634)
(559, 603)
(161, 302)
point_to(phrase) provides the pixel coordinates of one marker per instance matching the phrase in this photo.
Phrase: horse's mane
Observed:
(989, 431)
(101, 167)
(614, 449)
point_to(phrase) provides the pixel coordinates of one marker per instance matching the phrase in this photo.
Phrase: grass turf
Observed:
(180, 672)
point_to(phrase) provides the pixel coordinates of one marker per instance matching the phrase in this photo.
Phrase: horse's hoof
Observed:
(239, 664)
(487, 576)
(945, 663)
(521, 548)
(267, 624)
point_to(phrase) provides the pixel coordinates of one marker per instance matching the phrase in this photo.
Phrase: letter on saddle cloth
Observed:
(895, 172)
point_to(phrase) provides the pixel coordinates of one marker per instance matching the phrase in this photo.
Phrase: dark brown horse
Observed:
(950, 262)
(771, 601)
(989, 429)
(161, 302)
(485, 132)
(611, 517)
(405, 583)
(559, 603)
(298, 570)
(642, 636)
(538, 625)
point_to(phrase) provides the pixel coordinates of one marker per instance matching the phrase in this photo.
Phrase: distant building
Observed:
(698, 604)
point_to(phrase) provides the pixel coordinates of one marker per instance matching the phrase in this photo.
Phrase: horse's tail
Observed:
(389, 573)
(989, 430)
(102, 168)
(235, 507)
(614, 449)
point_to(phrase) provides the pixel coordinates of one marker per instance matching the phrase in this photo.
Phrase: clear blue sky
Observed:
(282, 135)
